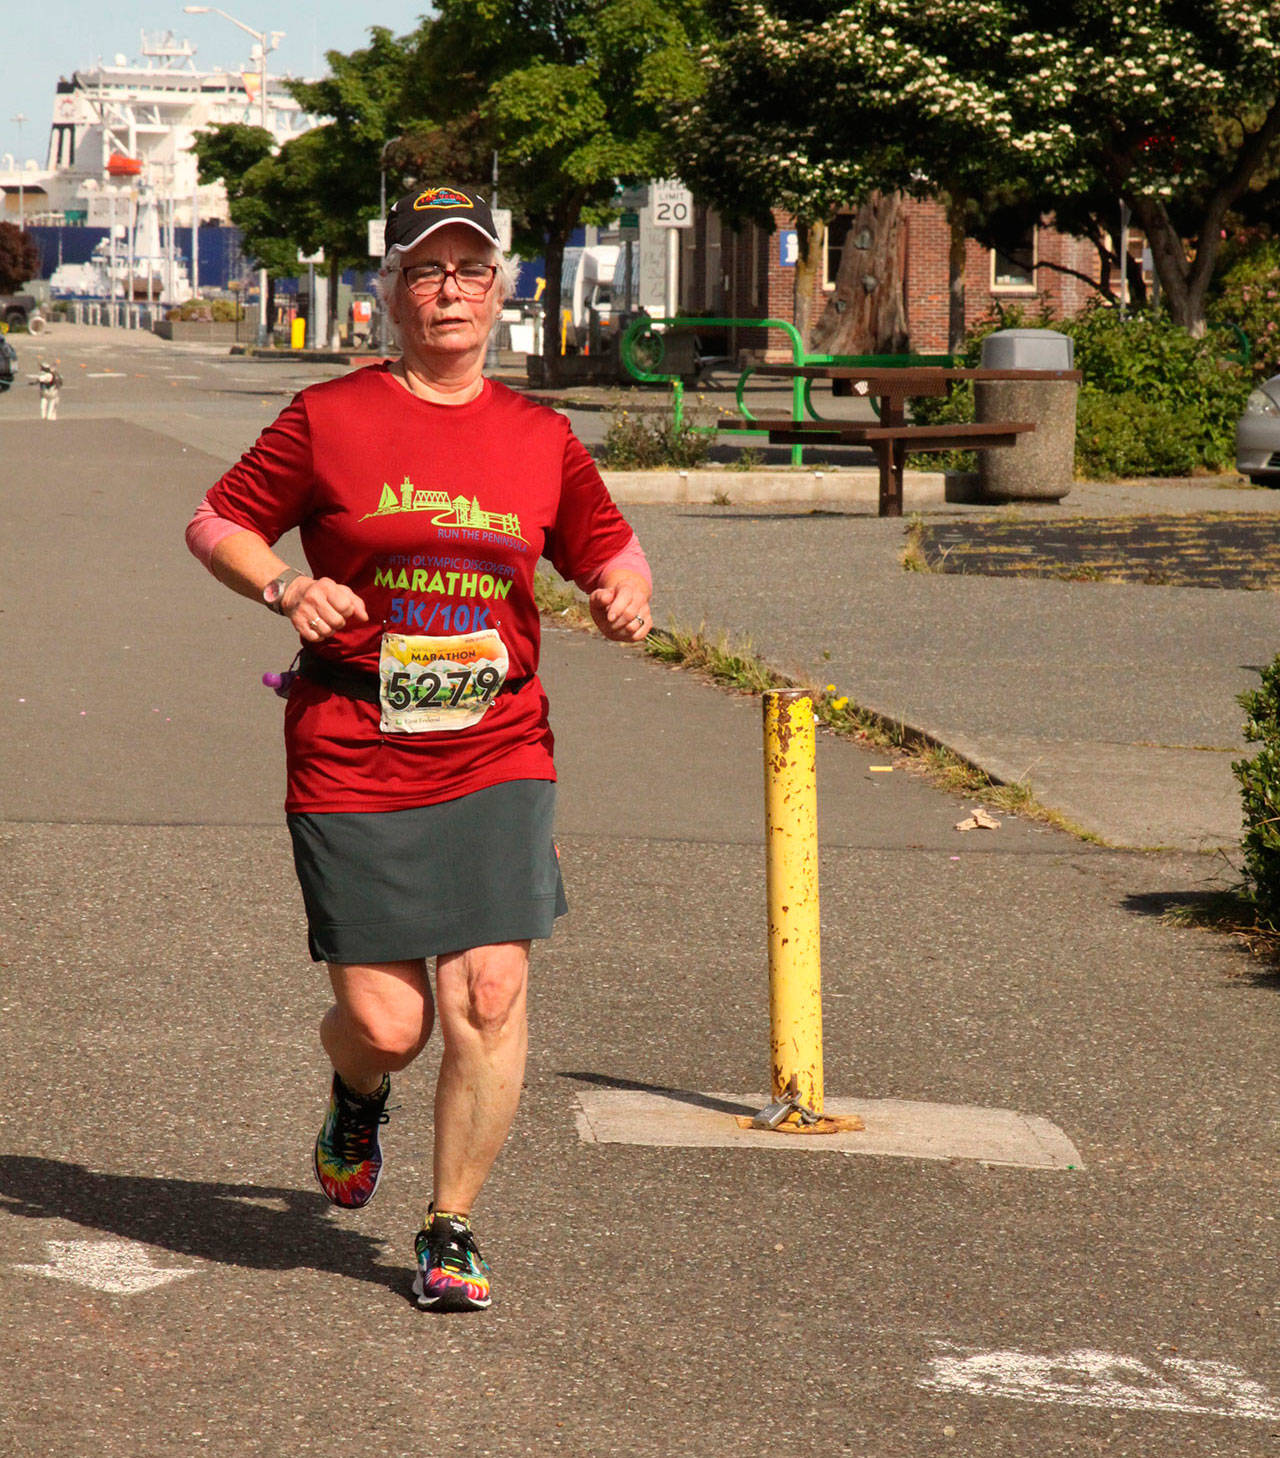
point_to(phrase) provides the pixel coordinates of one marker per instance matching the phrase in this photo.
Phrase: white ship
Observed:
(119, 155)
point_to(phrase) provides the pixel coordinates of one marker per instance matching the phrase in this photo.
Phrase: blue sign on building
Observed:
(788, 247)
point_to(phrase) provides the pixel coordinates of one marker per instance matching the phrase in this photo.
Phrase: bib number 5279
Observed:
(407, 690)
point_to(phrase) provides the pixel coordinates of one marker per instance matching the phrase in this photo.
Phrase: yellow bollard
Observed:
(791, 851)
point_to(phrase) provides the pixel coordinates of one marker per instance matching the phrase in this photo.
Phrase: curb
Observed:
(801, 487)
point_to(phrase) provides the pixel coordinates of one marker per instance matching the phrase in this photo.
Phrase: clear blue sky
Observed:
(41, 40)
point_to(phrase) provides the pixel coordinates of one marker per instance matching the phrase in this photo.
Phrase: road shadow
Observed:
(229, 1224)
(1223, 912)
(676, 1095)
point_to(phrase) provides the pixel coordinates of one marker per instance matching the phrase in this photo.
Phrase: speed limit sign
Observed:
(672, 204)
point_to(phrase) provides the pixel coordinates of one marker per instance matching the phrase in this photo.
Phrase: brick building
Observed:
(750, 273)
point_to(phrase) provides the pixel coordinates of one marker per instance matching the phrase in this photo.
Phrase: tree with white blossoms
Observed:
(811, 106)
(1170, 106)
(1174, 108)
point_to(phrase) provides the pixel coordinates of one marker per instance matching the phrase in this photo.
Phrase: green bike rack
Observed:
(644, 325)
(1244, 355)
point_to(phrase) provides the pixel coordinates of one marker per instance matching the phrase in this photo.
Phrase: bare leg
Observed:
(482, 997)
(380, 1021)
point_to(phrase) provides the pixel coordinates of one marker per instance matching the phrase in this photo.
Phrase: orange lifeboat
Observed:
(118, 165)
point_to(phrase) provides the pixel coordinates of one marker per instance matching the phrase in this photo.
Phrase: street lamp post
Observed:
(22, 207)
(382, 213)
(267, 40)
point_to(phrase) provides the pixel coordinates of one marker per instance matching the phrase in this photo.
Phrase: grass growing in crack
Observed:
(734, 665)
(559, 600)
(913, 556)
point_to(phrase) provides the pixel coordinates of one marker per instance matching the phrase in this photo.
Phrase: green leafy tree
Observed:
(240, 157)
(570, 95)
(19, 257)
(811, 104)
(320, 188)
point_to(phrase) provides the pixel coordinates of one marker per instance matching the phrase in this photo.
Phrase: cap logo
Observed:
(441, 197)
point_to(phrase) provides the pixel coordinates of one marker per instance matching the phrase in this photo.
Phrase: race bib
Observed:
(427, 685)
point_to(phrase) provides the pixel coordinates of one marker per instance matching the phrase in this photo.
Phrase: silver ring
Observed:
(315, 622)
(639, 618)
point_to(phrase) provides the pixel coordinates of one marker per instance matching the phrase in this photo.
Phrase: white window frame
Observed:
(1027, 287)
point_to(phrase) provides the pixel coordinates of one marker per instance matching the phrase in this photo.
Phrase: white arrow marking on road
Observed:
(1088, 1378)
(120, 1267)
(106, 375)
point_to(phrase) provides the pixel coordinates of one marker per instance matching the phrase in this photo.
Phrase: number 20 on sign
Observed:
(672, 205)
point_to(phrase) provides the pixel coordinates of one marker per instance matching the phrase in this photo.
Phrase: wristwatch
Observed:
(273, 592)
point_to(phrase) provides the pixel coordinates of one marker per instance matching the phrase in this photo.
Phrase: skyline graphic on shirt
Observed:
(448, 511)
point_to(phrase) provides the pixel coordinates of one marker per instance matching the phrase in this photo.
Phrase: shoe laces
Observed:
(356, 1128)
(453, 1247)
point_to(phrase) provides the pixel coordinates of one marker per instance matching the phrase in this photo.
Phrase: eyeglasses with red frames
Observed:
(473, 280)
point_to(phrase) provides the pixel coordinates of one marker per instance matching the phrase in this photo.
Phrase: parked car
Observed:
(1258, 435)
(8, 364)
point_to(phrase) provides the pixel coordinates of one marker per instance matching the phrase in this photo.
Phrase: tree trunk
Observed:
(809, 238)
(867, 313)
(955, 273)
(1183, 294)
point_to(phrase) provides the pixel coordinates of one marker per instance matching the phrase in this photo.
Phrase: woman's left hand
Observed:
(620, 607)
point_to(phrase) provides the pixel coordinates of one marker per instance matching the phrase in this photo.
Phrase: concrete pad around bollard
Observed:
(1040, 465)
(678, 1118)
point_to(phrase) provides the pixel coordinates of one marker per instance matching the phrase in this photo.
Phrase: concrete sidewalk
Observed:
(1116, 702)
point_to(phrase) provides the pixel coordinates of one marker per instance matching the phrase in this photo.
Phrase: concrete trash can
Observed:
(1040, 466)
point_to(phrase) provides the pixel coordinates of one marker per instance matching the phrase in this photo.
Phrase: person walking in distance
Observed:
(50, 384)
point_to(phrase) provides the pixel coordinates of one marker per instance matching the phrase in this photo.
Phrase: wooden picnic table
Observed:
(892, 437)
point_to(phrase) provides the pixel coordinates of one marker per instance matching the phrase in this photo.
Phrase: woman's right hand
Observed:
(318, 607)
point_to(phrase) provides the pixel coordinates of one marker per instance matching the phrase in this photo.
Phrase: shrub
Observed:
(1260, 793)
(1147, 355)
(1155, 402)
(1130, 435)
(641, 442)
(207, 311)
(1248, 296)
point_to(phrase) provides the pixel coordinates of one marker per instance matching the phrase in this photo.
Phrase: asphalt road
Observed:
(162, 1083)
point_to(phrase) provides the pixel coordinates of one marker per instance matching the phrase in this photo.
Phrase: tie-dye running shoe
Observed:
(452, 1274)
(348, 1159)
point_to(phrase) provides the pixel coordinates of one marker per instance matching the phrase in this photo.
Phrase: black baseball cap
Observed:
(419, 214)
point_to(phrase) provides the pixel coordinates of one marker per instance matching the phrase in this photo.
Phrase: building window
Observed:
(837, 235)
(1016, 268)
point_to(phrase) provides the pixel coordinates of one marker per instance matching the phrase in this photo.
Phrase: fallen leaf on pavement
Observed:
(979, 820)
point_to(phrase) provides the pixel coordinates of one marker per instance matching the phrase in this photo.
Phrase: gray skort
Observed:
(390, 885)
